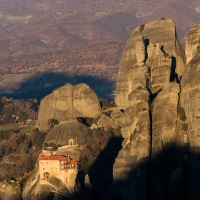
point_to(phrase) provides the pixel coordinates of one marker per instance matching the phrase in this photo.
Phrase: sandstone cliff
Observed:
(128, 170)
(190, 104)
(150, 165)
(153, 56)
(164, 115)
(66, 103)
(192, 42)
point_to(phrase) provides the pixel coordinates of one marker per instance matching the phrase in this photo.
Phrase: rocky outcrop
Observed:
(192, 42)
(148, 90)
(163, 142)
(164, 115)
(190, 108)
(130, 168)
(66, 103)
(152, 57)
(134, 53)
(62, 133)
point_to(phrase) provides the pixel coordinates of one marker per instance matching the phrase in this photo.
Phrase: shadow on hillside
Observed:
(172, 174)
(101, 172)
(43, 84)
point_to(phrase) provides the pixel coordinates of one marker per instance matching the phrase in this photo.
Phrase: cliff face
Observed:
(66, 103)
(136, 148)
(160, 98)
(152, 57)
(192, 42)
(164, 115)
(190, 103)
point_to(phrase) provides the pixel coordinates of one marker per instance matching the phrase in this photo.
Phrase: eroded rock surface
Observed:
(192, 42)
(164, 115)
(148, 90)
(106, 122)
(117, 116)
(190, 104)
(153, 56)
(163, 143)
(130, 168)
(66, 103)
(62, 133)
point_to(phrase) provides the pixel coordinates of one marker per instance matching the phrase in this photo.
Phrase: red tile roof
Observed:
(59, 158)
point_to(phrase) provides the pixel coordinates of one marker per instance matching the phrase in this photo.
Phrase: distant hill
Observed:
(37, 29)
(31, 26)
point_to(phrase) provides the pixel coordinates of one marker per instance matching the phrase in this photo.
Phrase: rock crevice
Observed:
(153, 78)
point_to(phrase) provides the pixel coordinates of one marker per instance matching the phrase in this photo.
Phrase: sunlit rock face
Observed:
(190, 103)
(130, 167)
(192, 42)
(148, 91)
(152, 53)
(66, 103)
(164, 115)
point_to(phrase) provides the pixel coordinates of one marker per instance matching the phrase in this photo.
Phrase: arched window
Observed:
(46, 176)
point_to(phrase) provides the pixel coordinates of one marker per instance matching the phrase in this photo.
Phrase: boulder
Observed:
(66, 103)
(61, 134)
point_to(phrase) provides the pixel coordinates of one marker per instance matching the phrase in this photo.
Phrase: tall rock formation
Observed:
(66, 103)
(148, 90)
(163, 150)
(130, 168)
(164, 115)
(152, 52)
(192, 42)
(190, 107)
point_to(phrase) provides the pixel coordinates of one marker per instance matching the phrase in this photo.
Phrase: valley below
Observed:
(99, 100)
(74, 38)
